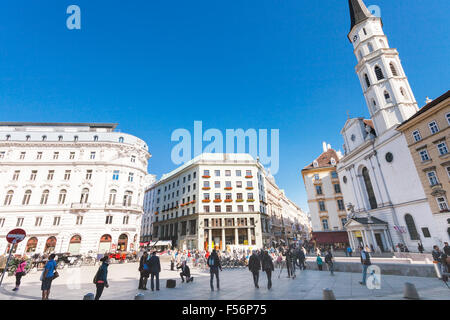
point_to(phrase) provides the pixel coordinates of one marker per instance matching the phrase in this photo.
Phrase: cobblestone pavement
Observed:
(236, 284)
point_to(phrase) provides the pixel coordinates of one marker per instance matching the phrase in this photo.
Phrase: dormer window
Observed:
(333, 162)
(315, 164)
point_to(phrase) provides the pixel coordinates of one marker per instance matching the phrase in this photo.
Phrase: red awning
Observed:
(330, 237)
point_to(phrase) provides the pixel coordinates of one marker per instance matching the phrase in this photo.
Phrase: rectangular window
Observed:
(337, 188)
(227, 173)
(67, 175)
(217, 173)
(433, 127)
(22, 156)
(448, 118)
(72, 155)
(426, 232)
(126, 219)
(205, 173)
(206, 209)
(55, 155)
(16, 175)
(88, 174)
(238, 184)
(50, 174)
(39, 156)
(341, 206)
(319, 190)
(251, 208)
(33, 175)
(79, 220)
(442, 203)
(417, 136)
(206, 196)
(216, 184)
(239, 196)
(432, 178)
(217, 196)
(108, 220)
(248, 173)
(229, 208)
(116, 175)
(217, 209)
(130, 177)
(2, 155)
(240, 208)
(238, 173)
(322, 206)
(334, 175)
(227, 184)
(442, 147)
(92, 156)
(38, 222)
(133, 159)
(250, 196)
(424, 155)
(19, 222)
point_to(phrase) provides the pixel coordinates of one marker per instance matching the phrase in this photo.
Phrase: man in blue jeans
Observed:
(154, 267)
(214, 266)
(365, 261)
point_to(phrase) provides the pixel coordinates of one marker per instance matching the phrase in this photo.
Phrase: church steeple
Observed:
(358, 12)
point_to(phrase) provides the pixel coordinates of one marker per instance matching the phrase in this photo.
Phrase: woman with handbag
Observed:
(20, 272)
(100, 278)
(48, 275)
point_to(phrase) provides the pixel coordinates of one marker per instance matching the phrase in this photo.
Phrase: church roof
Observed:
(358, 12)
(324, 160)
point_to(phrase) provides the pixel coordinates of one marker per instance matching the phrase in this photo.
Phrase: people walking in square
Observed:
(437, 259)
(101, 278)
(420, 247)
(349, 251)
(185, 272)
(214, 266)
(144, 271)
(302, 258)
(20, 272)
(365, 261)
(319, 262)
(154, 267)
(446, 249)
(268, 267)
(254, 265)
(288, 255)
(48, 275)
(329, 262)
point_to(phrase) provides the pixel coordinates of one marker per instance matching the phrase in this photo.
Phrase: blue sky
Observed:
(154, 66)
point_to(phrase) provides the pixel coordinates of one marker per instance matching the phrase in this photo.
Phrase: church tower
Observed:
(384, 83)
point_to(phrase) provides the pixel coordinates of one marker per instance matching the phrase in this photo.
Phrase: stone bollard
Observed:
(328, 294)
(410, 291)
(139, 296)
(89, 296)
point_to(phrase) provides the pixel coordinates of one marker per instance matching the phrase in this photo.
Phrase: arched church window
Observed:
(393, 70)
(366, 77)
(370, 47)
(387, 96)
(379, 73)
(382, 44)
(369, 188)
(413, 234)
(403, 92)
(360, 55)
(365, 32)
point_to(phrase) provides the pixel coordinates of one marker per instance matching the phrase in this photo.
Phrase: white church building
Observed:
(381, 187)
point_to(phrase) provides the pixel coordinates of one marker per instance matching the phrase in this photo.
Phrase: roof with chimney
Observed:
(324, 160)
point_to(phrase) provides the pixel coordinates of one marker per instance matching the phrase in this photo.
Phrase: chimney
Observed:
(324, 146)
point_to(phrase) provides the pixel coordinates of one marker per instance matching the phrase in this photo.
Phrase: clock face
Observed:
(355, 38)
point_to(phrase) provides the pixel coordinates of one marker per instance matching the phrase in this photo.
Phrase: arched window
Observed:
(370, 47)
(31, 245)
(62, 196)
(95, 138)
(127, 198)
(84, 195)
(26, 197)
(369, 188)
(75, 138)
(387, 96)
(44, 138)
(366, 77)
(50, 245)
(413, 234)
(44, 197)
(27, 138)
(382, 44)
(403, 92)
(121, 139)
(112, 197)
(8, 198)
(325, 224)
(8, 137)
(60, 138)
(379, 73)
(393, 70)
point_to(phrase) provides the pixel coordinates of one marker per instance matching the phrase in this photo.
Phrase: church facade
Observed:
(382, 189)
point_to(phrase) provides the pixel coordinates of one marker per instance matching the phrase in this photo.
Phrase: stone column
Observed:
(209, 238)
(249, 235)
(366, 243)
(223, 237)
(375, 245)
(236, 234)
(388, 241)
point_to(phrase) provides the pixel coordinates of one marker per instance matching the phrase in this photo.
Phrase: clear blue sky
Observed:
(154, 66)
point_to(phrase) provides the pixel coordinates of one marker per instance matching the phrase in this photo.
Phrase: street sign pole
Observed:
(7, 261)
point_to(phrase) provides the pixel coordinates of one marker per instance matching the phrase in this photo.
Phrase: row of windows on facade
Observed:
(334, 175)
(60, 138)
(168, 196)
(206, 173)
(370, 47)
(337, 189)
(39, 155)
(433, 126)
(67, 174)
(440, 146)
(127, 197)
(57, 221)
(340, 204)
(326, 226)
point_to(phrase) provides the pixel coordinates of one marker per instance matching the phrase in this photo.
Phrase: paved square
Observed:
(236, 284)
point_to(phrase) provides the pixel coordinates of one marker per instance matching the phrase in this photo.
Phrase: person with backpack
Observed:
(48, 275)
(254, 265)
(267, 267)
(101, 277)
(214, 266)
(20, 272)
(329, 261)
(365, 261)
(319, 262)
(144, 271)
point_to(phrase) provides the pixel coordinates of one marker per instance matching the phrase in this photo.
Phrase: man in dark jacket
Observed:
(144, 270)
(214, 266)
(365, 261)
(185, 272)
(288, 254)
(301, 259)
(329, 261)
(267, 267)
(446, 249)
(154, 267)
(254, 265)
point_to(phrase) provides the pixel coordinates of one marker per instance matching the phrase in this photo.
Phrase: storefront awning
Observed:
(161, 243)
(330, 237)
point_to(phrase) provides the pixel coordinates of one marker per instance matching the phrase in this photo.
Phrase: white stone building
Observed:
(377, 173)
(73, 187)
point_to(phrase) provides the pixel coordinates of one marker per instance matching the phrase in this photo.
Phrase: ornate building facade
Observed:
(73, 187)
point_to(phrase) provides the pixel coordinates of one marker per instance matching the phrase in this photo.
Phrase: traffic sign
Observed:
(16, 235)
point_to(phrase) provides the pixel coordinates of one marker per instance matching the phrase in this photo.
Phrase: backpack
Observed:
(210, 261)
